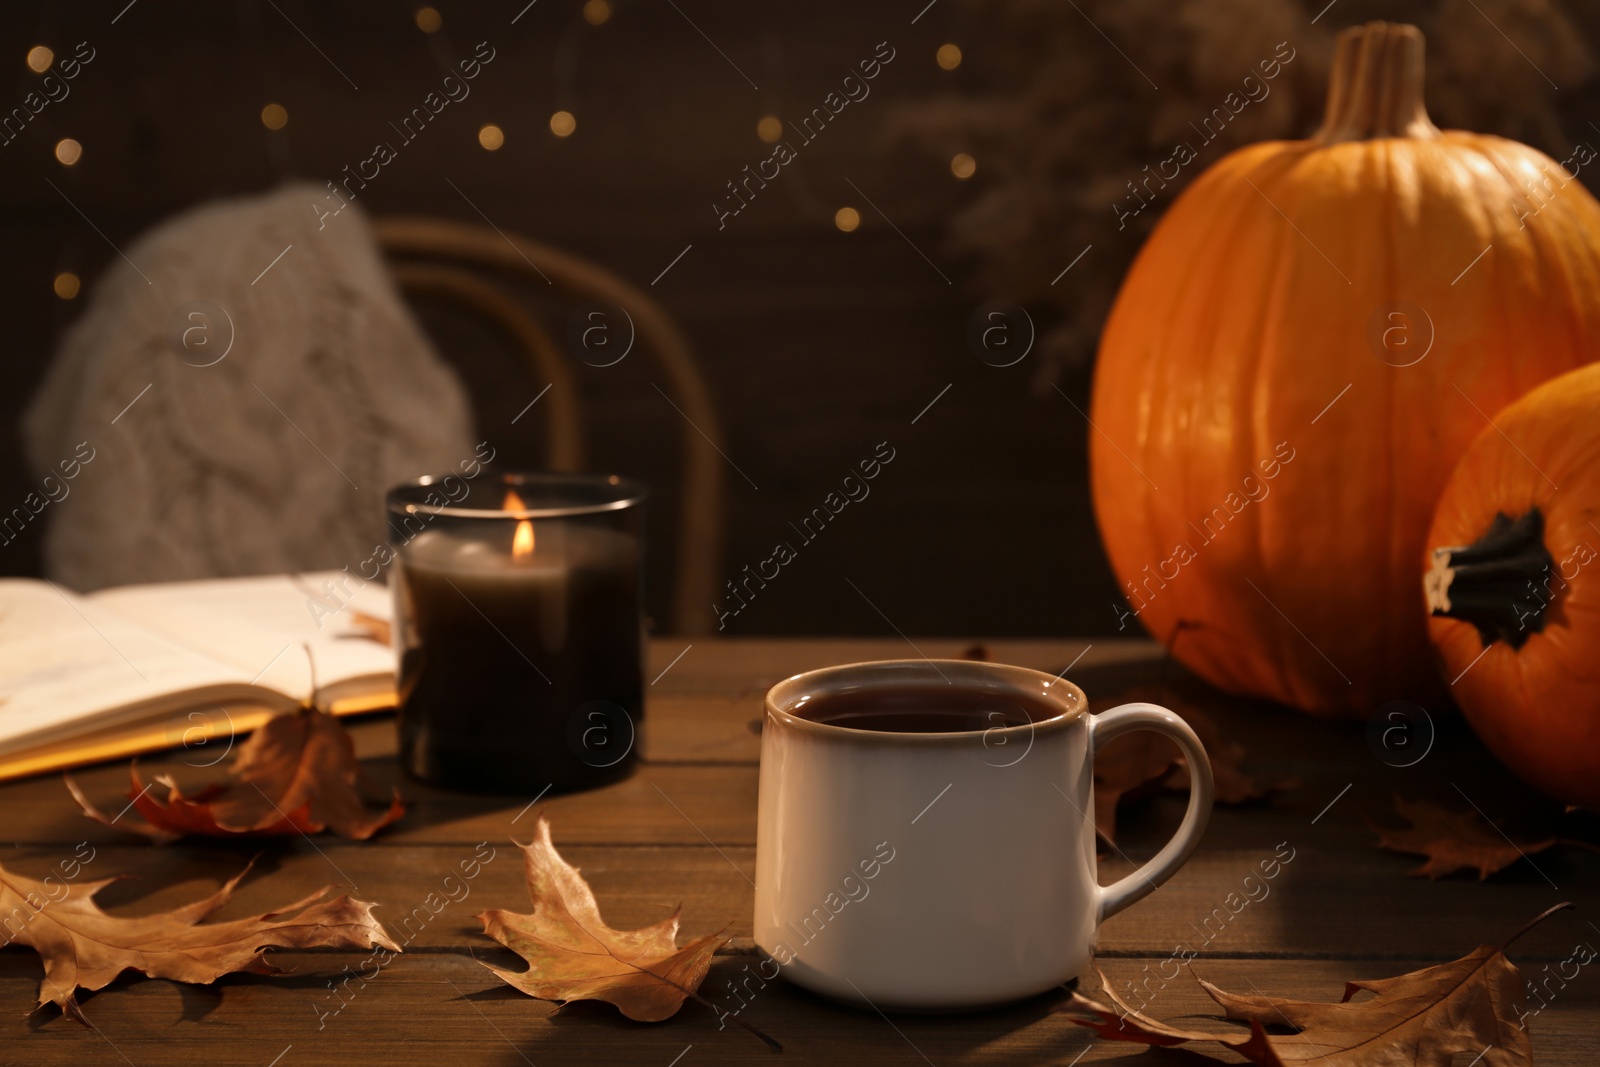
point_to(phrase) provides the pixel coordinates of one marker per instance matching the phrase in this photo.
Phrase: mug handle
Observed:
(1126, 719)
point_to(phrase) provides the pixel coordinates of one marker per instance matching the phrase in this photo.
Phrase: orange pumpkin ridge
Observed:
(1310, 337)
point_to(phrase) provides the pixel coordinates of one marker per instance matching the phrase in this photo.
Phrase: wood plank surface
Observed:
(680, 831)
(1309, 910)
(444, 1008)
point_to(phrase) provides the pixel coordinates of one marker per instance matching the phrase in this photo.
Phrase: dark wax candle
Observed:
(520, 650)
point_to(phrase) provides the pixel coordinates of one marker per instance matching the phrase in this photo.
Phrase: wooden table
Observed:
(682, 829)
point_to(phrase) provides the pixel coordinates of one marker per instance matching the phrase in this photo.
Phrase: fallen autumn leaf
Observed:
(84, 948)
(1133, 767)
(1421, 1019)
(1453, 840)
(573, 955)
(296, 774)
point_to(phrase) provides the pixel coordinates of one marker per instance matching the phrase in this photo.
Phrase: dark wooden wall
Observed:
(818, 344)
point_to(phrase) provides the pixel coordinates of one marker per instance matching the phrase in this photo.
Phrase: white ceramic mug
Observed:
(927, 871)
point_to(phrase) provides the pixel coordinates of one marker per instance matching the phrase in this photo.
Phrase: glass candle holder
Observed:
(520, 630)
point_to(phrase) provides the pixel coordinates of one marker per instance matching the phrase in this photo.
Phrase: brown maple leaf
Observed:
(1139, 764)
(1424, 1018)
(573, 955)
(84, 948)
(1129, 766)
(1453, 840)
(296, 774)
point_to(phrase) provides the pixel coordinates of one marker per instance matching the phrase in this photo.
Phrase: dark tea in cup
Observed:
(925, 709)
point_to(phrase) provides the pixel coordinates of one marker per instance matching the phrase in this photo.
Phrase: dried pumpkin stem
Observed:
(1500, 583)
(1375, 88)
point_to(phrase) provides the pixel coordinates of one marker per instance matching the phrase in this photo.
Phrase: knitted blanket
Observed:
(249, 383)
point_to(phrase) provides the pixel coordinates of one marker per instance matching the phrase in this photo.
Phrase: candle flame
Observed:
(522, 543)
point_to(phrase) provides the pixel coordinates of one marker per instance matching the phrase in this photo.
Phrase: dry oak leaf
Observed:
(573, 955)
(84, 948)
(296, 774)
(1422, 1019)
(1453, 840)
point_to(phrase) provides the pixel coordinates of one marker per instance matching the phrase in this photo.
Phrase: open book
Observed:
(88, 677)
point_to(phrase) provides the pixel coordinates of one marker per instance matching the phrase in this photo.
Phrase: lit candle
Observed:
(520, 634)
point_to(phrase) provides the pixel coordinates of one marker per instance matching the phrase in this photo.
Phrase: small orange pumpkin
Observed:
(1513, 587)
(1311, 336)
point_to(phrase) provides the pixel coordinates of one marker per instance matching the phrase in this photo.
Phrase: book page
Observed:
(262, 626)
(65, 664)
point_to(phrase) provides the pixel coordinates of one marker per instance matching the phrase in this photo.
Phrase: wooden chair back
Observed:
(458, 261)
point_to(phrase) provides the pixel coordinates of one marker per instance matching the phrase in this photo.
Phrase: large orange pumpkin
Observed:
(1514, 586)
(1312, 335)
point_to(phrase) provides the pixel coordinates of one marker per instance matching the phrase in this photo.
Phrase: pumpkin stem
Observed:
(1501, 583)
(1375, 88)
